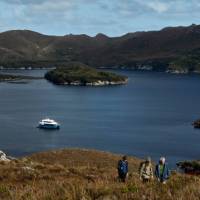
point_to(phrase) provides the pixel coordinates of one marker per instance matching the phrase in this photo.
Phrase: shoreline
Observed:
(169, 71)
(11, 78)
(96, 83)
(98, 151)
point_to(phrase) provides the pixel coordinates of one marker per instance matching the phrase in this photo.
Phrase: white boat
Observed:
(48, 124)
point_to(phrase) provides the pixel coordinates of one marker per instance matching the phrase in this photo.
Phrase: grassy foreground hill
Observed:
(75, 174)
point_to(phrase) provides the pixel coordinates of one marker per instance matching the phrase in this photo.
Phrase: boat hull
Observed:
(47, 126)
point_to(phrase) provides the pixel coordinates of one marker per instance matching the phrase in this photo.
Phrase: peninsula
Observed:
(16, 78)
(80, 74)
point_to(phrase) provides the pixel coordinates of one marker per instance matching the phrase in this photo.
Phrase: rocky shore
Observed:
(182, 71)
(96, 83)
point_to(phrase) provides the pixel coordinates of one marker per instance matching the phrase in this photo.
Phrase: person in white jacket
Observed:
(146, 170)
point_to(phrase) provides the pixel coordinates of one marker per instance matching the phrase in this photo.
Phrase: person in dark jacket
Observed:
(162, 171)
(123, 169)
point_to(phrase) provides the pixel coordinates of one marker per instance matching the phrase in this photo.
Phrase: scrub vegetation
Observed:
(86, 175)
(81, 74)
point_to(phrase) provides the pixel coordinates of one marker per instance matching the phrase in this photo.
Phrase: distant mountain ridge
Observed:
(167, 49)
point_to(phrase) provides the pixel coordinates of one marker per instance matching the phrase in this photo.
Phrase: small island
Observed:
(8, 77)
(196, 124)
(16, 78)
(78, 74)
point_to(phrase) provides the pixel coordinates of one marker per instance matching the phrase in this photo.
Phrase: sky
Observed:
(111, 17)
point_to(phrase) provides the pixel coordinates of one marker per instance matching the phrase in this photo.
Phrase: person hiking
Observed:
(123, 169)
(162, 172)
(146, 170)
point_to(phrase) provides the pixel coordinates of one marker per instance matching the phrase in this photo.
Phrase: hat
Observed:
(162, 159)
(148, 159)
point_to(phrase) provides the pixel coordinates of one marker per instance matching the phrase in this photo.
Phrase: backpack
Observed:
(123, 167)
(141, 166)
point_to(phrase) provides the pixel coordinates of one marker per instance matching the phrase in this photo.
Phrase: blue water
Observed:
(151, 116)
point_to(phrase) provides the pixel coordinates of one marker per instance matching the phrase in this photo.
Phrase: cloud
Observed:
(25, 2)
(92, 16)
(159, 7)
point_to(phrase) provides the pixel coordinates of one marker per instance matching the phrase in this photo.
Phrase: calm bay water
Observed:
(151, 116)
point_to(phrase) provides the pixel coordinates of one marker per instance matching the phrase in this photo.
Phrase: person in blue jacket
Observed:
(123, 169)
(162, 171)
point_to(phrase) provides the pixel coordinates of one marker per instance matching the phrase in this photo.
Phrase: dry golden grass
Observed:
(85, 175)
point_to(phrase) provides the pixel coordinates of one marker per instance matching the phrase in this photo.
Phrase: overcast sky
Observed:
(112, 17)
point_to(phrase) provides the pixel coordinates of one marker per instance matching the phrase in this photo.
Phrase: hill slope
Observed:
(82, 174)
(155, 50)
